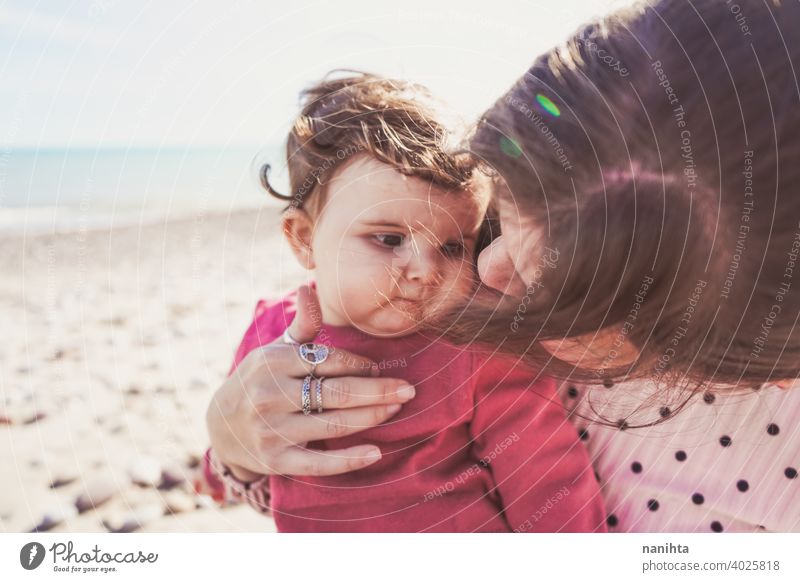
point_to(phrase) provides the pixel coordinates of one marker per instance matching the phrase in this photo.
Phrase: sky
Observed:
(132, 73)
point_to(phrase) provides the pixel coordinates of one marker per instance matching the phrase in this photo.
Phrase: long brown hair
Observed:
(659, 151)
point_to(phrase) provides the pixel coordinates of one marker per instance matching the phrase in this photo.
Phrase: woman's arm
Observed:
(255, 421)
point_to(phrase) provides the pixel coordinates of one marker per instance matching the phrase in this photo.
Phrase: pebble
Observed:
(63, 474)
(134, 389)
(205, 502)
(172, 475)
(132, 520)
(55, 516)
(178, 502)
(31, 416)
(24, 415)
(197, 384)
(145, 471)
(97, 492)
(194, 459)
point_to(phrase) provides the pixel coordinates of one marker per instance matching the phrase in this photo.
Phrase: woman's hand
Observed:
(255, 420)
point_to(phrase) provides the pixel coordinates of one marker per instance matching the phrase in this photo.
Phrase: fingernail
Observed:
(373, 455)
(374, 370)
(406, 392)
(392, 408)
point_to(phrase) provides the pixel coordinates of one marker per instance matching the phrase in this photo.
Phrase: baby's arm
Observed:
(541, 471)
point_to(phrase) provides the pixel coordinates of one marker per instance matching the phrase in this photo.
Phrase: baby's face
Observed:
(389, 250)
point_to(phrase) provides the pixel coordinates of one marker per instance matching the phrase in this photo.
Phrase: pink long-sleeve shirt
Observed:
(485, 446)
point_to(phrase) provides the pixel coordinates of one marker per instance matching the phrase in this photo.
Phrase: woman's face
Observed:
(509, 263)
(513, 263)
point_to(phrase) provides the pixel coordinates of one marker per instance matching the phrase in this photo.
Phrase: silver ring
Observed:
(288, 339)
(314, 354)
(318, 393)
(306, 395)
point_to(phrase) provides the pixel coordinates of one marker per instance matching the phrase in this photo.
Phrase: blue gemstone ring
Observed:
(305, 395)
(314, 354)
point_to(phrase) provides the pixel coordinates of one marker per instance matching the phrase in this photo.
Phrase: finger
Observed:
(284, 359)
(301, 462)
(349, 392)
(298, 428)
(308, 319)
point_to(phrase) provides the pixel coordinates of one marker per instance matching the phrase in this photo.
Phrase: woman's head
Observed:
(654, 157)
(385, 215)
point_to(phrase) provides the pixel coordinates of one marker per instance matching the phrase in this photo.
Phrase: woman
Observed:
(655, 153)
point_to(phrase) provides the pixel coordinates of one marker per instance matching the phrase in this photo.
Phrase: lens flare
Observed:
(510, 147)
(548, 105)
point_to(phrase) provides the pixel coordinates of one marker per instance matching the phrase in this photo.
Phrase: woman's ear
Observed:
(594, 350)
(785, 384)
(298, 228)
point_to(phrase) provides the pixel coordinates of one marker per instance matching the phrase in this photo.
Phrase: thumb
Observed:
(308, 319)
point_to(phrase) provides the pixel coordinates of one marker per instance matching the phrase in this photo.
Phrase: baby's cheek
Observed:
(364, 285)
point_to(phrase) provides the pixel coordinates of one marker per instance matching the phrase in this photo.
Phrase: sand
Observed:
(114, 343)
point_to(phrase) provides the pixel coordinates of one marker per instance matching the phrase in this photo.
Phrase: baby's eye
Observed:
(390, 240)
(454, 248)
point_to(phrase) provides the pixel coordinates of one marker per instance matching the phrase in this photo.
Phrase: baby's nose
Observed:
(423, 265)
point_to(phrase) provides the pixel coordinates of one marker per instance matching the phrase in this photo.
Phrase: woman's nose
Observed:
(496, 269)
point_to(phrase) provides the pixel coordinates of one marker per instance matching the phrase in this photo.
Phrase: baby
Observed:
(390, 224)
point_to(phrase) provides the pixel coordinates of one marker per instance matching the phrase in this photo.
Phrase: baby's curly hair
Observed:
(395, 122)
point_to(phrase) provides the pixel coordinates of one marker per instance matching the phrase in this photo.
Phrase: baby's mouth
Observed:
(407, 304)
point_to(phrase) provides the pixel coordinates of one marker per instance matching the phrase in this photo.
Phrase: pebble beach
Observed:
(115, 340)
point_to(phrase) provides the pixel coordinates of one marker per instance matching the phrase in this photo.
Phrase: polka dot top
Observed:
(725, 463)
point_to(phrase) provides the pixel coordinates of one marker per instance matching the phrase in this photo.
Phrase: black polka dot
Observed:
(584, 434)
(636, 467)
(665, 411)
(709, 398)
(572, 392)
(773, 429)
(698, 499)
(608, 383)
(612, 520)
(652, 505)
(622, 424)
(725, 440)
(790, 472)
(742, 485)
(716, 526)
(597, 476)
(680, 455)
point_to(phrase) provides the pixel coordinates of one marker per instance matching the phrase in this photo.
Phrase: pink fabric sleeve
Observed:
(541, 470)
(270, 320)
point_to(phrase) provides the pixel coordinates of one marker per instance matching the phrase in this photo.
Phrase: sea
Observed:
(47, 190)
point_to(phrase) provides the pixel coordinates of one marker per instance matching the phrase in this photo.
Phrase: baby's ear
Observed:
(298, 228)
